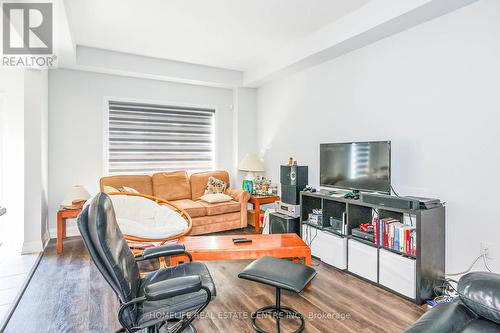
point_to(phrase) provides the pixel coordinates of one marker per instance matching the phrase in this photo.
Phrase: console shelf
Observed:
(398, 252)
(410, 276)
(364, 241)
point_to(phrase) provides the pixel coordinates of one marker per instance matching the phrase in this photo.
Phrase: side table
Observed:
(256, 201)
(62, 216)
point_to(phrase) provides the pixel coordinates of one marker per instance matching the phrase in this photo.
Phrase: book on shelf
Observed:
(392, 234)
(375, 229)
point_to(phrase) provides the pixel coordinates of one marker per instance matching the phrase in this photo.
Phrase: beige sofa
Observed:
(185, 192)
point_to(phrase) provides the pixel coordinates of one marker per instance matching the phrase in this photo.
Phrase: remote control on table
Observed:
(241, 240)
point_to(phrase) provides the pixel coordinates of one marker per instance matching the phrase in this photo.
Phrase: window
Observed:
(148, 138)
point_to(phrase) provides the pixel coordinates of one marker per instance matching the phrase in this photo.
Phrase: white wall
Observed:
(24, 172)
(433, 91)
(113, 62)
(245, 125)
(76, 124)
(35, 159)
(12, 168)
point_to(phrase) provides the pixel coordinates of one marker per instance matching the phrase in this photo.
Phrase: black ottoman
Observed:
(281, 274)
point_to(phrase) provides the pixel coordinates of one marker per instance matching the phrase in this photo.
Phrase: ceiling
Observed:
(233, 34)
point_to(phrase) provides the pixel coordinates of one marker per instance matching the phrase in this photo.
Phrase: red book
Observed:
(375, 229)
(408, 240)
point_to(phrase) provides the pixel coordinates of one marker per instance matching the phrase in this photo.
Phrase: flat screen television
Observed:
(364, 166)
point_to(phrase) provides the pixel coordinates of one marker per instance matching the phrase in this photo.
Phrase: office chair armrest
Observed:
(163, 251)
(172, 287)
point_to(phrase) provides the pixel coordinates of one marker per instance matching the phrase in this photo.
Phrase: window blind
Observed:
(148, 138)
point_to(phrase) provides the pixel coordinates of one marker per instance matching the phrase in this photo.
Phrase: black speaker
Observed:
(290, 194)
(283, 224)
(294, 175)
(390, 201)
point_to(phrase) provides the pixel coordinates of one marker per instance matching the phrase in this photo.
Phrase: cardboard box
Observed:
(250, 216)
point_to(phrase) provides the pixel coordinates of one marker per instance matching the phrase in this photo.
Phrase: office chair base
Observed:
(188, 329)
(192, 329)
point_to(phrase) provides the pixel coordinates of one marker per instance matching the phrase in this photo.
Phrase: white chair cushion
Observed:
(144, 218)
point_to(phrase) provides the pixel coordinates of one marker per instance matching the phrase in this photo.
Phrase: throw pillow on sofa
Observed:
(215, 185)
(216, 197)
(128, 189)
(111, 189)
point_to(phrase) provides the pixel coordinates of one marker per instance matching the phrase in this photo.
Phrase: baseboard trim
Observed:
(32, 247)
(46, 240)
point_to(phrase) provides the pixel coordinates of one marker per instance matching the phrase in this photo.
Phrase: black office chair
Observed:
(168, 298)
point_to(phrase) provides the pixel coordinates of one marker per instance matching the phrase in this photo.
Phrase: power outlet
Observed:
(486, 249)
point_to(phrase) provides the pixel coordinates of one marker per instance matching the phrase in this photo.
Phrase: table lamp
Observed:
(251, 164)
(76, 193)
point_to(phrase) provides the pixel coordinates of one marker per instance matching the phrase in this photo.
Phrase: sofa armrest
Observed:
(242, 197)
(238, 195)
(444, 318)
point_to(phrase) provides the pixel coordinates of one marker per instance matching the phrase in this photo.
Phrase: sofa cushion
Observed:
(209, 224)
(216, 219)
(171, 185)
(218, 208)
(199, 181)
(480, 291)
(141, 184)
(194, 209)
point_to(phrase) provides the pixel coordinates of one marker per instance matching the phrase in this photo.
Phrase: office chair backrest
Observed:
(109, 250)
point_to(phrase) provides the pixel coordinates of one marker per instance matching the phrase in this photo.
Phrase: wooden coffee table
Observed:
(222, 248)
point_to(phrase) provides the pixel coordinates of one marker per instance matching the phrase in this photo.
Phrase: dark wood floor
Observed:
(68, 294)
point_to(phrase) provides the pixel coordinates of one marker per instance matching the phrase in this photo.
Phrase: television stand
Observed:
(335, 193)
(410, 274)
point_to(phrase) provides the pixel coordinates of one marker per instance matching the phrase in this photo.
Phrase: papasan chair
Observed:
(147, 221)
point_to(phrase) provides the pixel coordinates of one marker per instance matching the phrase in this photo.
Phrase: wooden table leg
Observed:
(178, 259)
(308, 260)
(256, 217)
(163, 262)
(60, 224)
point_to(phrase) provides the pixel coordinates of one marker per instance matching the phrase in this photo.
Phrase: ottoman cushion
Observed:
(279, 273)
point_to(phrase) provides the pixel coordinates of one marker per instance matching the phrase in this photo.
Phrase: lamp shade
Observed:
(76, 193)
(251, 163)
